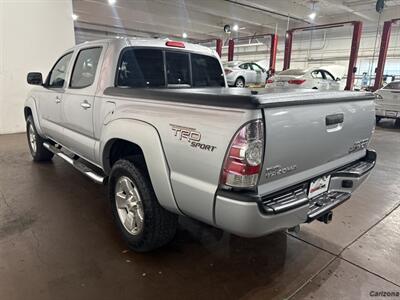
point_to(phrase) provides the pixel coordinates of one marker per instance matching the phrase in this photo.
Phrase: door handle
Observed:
(58, 99)
(334, 119)
(85, 105)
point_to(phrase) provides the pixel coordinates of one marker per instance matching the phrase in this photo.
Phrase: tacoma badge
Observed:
(279, 170)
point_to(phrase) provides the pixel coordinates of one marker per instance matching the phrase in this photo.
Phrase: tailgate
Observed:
(307, 137)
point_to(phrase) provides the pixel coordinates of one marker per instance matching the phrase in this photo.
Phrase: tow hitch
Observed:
(326, 218)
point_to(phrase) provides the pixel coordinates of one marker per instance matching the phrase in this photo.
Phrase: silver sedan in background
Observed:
(387, 103)
(311, 78)
(242, 74)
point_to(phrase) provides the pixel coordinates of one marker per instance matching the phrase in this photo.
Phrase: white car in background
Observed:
(311, 78)
(387, 103)
(242, 74)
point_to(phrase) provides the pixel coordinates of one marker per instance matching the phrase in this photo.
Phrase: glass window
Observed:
(244, 66)
(57, 75)
(329, 76)
(85, 67)
(141, 68)
(178, 71)
(317, 74)
(394, 85)
(256, 67)
(206, 71)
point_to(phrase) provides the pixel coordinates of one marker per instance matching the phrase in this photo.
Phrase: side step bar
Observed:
(76, 164)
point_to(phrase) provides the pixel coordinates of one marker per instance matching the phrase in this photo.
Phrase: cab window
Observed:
(56, 78)
(139, 68)
(85, 67)
(178, 71)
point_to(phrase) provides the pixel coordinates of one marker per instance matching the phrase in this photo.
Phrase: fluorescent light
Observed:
(75, 17)
(235, 27)
(112, 2)
(312, 15)
(184, 35)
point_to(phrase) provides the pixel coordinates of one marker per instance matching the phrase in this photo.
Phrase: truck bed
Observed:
(240, 98)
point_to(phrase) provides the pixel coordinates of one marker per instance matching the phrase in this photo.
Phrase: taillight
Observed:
(296, 81)
(175, 44)
(227, 71)
(243, 163)
(269, 81)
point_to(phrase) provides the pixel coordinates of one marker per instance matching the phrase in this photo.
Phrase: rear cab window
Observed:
(159, 68)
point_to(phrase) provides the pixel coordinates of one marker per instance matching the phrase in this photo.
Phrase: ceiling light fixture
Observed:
(75, 17)
(112, 2)
(184, 35)
(312, 15)
(235, 27)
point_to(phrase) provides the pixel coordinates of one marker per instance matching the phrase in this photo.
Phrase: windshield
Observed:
(294, 72)
(157, 68)
(394, 85)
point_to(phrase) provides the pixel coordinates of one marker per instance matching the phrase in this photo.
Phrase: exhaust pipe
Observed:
(326, 218)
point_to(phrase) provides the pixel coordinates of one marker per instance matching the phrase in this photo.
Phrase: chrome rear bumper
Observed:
(256, 216)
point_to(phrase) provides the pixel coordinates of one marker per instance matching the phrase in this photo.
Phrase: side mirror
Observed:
(35, 78)
(338, 79)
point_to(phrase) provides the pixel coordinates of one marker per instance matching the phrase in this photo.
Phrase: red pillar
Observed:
(288, 49)
(355, 45)
(219, 47)
(387, 29)
(231, 46)
(272, 54)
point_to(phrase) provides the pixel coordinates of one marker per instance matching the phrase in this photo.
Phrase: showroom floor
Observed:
(57, 238)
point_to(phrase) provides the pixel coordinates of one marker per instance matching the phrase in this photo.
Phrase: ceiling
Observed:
(205, 19)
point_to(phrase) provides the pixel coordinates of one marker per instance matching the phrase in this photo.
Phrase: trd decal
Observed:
(192, 136)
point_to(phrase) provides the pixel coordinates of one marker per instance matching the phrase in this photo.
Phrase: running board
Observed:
(76, 164)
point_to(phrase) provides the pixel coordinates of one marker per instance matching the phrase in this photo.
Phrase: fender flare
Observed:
(31, 104)
(148, 139)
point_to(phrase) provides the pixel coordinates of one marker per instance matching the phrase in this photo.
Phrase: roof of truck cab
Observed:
(147, 42)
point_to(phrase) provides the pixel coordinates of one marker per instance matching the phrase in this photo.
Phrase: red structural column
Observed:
(219, 47)
(288, 49)
(231, 46)
(355, 45)
(387, 29)
(272, 54)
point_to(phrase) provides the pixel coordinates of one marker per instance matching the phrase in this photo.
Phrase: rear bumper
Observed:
(252, 216)
(387, 113)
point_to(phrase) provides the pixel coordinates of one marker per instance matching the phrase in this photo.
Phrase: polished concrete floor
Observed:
(57, 241)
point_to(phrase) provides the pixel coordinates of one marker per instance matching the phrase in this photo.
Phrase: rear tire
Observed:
(35, 142)
(240, 83)
(144, 224)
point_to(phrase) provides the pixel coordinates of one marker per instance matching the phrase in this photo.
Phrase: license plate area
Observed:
(318, 186)
(392, 114)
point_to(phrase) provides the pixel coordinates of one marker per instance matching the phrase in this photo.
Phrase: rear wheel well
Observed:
(27, 112)
(117, 149)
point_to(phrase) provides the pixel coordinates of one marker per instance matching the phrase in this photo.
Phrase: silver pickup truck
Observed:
(154, 119)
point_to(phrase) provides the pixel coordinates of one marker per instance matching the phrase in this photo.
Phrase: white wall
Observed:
(33, 33)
